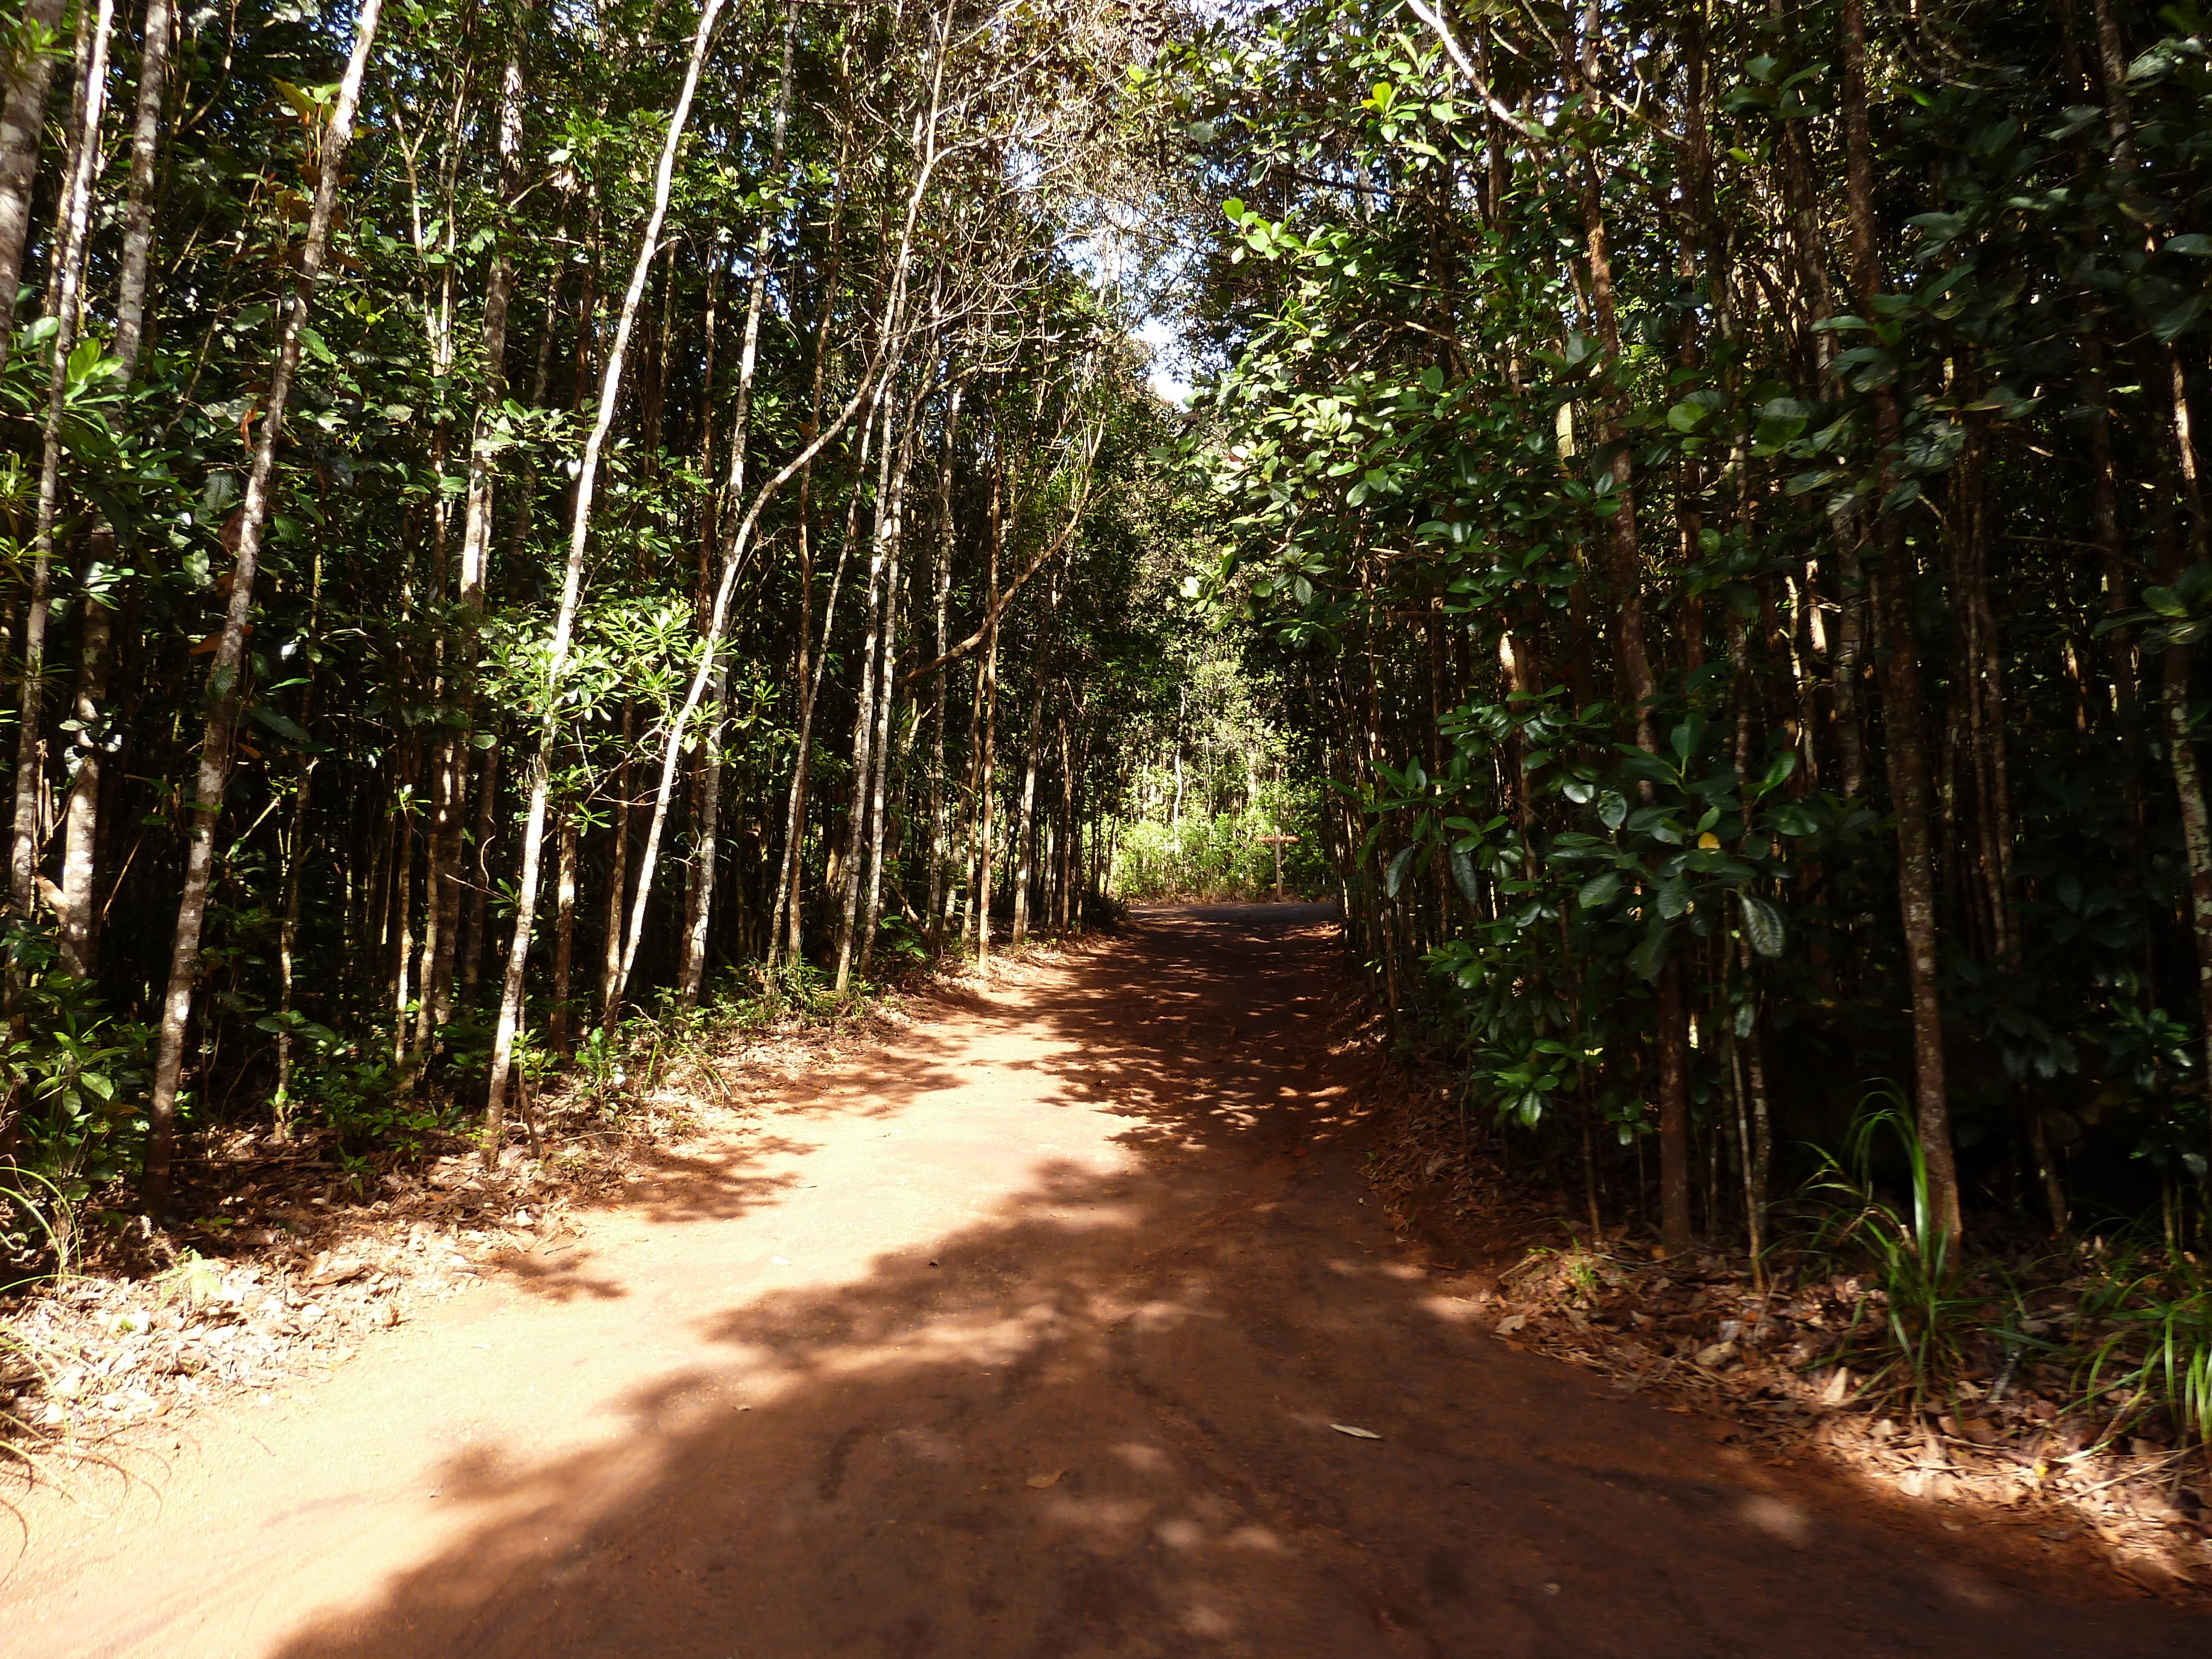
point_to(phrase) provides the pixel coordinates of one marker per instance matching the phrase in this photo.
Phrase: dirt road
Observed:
(1027, 1339)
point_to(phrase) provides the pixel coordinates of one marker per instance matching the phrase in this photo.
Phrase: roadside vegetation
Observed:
(1717, 493)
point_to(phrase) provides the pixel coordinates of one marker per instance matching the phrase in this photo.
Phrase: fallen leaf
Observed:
(1041, 1481)
(1357, 1434)
(1509, 1324)
(337, 1273)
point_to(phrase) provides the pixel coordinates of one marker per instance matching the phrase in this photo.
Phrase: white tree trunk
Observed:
(71, 242)
(572, 589)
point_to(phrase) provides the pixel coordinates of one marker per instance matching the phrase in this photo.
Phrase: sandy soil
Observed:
(1029, 1337)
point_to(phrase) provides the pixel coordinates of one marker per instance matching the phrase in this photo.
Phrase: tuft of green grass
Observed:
(2156, 1353)
(1915, 1334)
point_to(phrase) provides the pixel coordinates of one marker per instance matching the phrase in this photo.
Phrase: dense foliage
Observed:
(519, 512)
(1720, 487)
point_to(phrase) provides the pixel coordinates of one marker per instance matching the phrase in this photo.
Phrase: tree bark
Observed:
(131, 328)
(879, 839)
(1903, 743)
(699, 899)
(941, 586)
(224, 675)
(71, 239)
(1025, 821)
(572, 585)
(22, 128)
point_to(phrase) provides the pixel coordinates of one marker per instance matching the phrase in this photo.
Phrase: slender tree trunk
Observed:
(879, 840)
(976, 872)
(288, 942)
(73, 907)
(610, 958)
(71, 239)
(22, 128)
(487, 830)
(1902, 739)
(443, 919)
(882, 369)
(863, 724)
(572, 585)
(794, 841)
(987, 772)
(562, 1020)
(224, 677)
(130, 326)
(700, 898)
(941, 586)
(1025, 821)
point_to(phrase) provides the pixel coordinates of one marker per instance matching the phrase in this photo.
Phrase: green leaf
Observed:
(1794, 819)
(285, 727)
(2178, 321)
(1612, 808)
(1762, 925)
(1598, 892)
(2193, 244)
(1463, 877)
(1396, 878)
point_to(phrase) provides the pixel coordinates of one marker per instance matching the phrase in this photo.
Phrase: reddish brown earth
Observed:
(1025, 1338)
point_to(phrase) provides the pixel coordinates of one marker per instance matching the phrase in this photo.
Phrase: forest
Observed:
(528, 521)
(1717, 493)
(521, 518)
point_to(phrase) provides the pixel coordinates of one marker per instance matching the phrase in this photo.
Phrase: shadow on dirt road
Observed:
(1099, 1420)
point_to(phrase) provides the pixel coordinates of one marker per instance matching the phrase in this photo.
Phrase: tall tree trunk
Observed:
(975, 873)
(22, 129)
(572, 590)
(791, 904)
(879, 841)
(72, 238)
(941, 588)
(610, 956)
(1637, 684)
(863, 722)
(1903, 743)
(442, 923)
(699, 902)
(487, 830)
(986, 771)
(225, 674)
(562, 1020)
(1025, 821)
(138, 206)
(882, 369)
(73, 907)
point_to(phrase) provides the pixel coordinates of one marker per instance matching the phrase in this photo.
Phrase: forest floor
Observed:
(1067, 1321)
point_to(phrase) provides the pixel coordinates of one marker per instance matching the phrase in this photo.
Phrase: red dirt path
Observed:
(1025, 1340)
